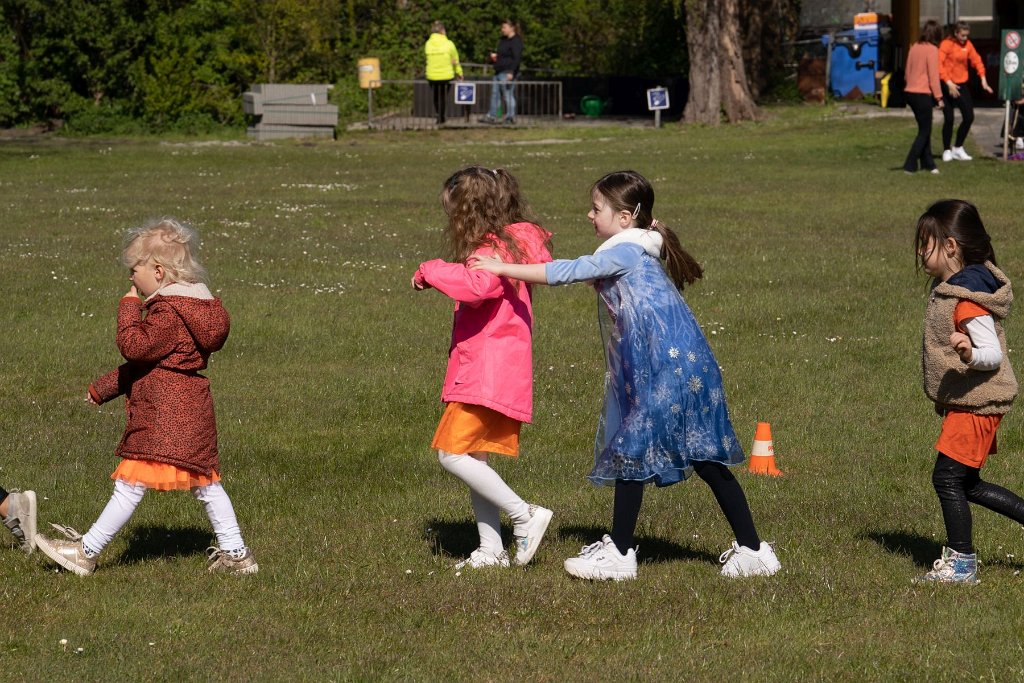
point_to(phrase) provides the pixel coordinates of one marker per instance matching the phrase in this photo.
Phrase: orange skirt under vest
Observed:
(968, 438)
(160, 476)
(467, 428)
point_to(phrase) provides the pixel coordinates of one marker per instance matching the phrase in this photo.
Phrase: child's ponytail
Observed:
(680, 265)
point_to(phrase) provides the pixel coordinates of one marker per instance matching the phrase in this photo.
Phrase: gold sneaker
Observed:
(21, 518)
(68, 553)
(222, 562)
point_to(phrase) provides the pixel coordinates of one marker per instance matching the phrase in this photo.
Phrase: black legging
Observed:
(966, 106)
(629, 495)
(439, 89)
(957, 484)
(3, 494)
(921, 150)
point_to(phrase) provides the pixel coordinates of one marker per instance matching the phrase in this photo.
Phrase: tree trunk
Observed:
(702, 34)
(737, 100)
(718, 80)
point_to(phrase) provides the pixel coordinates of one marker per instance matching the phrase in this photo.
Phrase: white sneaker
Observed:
(602, 561)
(481, 558)
(1018, 143)
(739, 560)
(21, 518)
(947, 155)
(533, 533)
(959, 154)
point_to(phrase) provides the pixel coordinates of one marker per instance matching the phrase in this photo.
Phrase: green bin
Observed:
(592, 105)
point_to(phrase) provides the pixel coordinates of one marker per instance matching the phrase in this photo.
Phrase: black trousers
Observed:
(966, 106)
(629, 496)
(957, 485)
(921, 150)
(3, 494)
(439, 90)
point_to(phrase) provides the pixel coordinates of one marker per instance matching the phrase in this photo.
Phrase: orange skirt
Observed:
(160, 476)
(968, 438)
(467, 428)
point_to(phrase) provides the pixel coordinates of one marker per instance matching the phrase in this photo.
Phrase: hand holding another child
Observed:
(492, 264)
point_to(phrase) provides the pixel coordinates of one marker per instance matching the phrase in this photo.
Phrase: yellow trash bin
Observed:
(369, 72)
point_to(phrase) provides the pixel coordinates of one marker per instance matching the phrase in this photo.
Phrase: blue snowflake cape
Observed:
(664, 404)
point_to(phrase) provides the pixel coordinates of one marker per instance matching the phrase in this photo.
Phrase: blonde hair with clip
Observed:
(169, 243)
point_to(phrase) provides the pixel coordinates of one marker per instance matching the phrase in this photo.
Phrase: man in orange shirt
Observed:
(954, 54)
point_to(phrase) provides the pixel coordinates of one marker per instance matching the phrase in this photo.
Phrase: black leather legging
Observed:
(957, 485)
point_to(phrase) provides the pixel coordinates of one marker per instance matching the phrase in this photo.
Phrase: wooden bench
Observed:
(287, 110)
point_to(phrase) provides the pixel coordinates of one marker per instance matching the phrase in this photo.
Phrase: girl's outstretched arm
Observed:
(534, 273)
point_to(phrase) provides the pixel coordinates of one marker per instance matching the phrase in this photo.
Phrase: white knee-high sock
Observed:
(487, 484)
(488, 523)
(222, 516)
(114, 516)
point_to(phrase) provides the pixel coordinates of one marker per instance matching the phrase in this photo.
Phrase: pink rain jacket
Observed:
(490, 362)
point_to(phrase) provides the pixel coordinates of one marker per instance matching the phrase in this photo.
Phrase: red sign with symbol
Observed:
(1012, 40)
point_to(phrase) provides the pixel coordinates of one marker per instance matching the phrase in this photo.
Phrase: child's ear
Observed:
(159, 272)
(951, 247)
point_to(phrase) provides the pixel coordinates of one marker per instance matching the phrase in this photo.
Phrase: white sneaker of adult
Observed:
(739, 560)
(960, 154)
(1018, 143)
(603, 561)
(947, 155)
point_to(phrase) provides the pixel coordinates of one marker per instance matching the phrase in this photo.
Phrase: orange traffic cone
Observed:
(762, 453)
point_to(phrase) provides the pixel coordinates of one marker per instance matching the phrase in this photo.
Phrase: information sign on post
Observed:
(465, 93)
(657, 99)
(1011, 70)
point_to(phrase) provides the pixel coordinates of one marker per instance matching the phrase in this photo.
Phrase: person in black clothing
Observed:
(506, 69)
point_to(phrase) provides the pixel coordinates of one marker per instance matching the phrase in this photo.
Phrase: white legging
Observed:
(128, 496)
(490, 495)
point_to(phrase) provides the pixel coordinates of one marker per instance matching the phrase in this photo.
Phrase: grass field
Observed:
(327, 396)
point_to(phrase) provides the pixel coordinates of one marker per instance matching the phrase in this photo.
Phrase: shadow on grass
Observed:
(455, 539)
(652, 549)
(149, 542)
(921, 549)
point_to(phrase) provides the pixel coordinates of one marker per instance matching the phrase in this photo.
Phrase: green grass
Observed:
(327, 396)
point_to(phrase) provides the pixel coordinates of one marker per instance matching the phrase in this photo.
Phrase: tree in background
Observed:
(718, 76)
(166, 64)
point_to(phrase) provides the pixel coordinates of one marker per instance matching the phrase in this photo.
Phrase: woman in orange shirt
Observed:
(922, 92)
(955, 52)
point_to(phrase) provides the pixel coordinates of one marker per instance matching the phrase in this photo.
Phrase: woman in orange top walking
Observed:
(955, 52)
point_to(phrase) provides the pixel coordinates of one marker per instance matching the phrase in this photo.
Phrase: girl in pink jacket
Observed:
(488, 386)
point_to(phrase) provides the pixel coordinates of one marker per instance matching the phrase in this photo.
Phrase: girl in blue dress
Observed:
(664, 413)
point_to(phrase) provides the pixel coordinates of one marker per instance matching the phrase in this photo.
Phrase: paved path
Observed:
(984, 139)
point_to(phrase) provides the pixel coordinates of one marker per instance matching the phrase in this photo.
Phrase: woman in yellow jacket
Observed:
(955, 52)
(442, 66)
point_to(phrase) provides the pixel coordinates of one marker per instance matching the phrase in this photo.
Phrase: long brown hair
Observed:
(475, 215)
(630, 191)
(513, 205)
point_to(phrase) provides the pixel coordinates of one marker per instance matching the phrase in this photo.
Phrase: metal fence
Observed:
(409, 105)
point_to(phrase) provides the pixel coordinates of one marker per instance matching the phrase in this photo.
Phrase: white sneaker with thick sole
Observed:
(533, 533)
(21, 518)
(1018, 143)
(739, 560)
(602, 561)
(960, 154)
(947, 155)
(481, 558)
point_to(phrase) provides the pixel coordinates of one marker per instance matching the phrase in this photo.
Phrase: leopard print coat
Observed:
(168, 403)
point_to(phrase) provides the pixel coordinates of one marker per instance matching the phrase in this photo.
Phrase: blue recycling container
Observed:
(855, 59)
